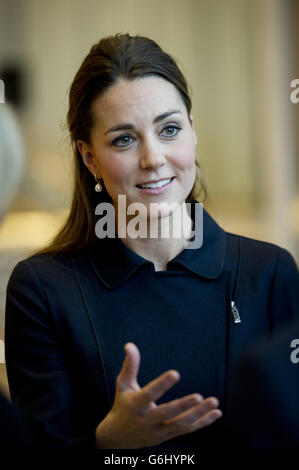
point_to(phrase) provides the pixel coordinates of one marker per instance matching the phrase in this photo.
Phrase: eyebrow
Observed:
(159, 118)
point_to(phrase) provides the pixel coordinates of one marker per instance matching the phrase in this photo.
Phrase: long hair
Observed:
(113, 57)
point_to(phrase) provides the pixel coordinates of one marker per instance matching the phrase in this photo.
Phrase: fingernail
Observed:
(199, 398)
(175, 374)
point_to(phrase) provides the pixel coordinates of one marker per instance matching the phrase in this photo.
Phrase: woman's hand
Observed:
(135, 420)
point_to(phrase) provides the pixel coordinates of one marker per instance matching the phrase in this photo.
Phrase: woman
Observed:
(182, 315)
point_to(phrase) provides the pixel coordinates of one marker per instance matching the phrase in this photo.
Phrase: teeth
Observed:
(159, 184)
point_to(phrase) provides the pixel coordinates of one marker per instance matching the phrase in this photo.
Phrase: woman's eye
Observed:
(174, 130)
(124, 140)
(120, 139)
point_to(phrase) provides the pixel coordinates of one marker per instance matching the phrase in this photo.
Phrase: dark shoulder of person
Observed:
(264, 412)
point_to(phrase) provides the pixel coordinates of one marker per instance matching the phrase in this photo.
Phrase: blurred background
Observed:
(239, 58)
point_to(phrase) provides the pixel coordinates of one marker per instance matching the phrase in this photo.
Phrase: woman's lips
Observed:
(160, 190)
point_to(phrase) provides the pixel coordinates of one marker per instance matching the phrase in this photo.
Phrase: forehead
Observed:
(139, 98)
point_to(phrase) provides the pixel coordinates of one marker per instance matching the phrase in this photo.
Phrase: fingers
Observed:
(127, 378)
(170, 410)
(180, 416)
(207, 419)
(156, 388)
(195, 418)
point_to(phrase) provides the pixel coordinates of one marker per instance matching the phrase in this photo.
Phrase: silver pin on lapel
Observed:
(235, 312)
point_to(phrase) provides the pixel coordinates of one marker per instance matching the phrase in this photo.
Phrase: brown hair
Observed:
(113, 57)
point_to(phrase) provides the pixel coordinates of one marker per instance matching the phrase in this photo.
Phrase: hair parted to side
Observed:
(113, 57)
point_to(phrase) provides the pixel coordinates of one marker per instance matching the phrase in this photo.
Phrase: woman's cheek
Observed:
(184, 156)
(118, 170)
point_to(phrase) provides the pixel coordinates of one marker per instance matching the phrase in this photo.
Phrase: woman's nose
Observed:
(151, 157)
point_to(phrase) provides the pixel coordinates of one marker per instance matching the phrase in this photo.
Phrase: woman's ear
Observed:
(87, 157)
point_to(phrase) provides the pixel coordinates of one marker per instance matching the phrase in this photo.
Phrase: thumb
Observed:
(128, 375)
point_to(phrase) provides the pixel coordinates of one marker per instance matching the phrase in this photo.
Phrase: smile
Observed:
(156, 187)
(157, 184)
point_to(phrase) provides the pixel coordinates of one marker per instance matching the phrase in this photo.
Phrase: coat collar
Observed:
(114, 263)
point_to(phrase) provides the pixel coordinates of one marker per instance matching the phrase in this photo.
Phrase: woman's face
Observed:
(134, 142)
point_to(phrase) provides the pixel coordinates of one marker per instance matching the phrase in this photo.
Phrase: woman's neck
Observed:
(160, 245)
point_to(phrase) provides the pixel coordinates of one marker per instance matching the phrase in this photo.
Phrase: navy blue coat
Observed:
(69, 315)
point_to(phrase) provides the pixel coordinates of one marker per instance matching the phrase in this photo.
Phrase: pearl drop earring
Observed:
(98, 187)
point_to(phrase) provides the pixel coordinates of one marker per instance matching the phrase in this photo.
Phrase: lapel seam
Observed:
(108, 391)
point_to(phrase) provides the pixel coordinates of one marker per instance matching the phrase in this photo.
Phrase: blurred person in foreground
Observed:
(264, 410)
(11, 156)
(13, 433)
(182, 314)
